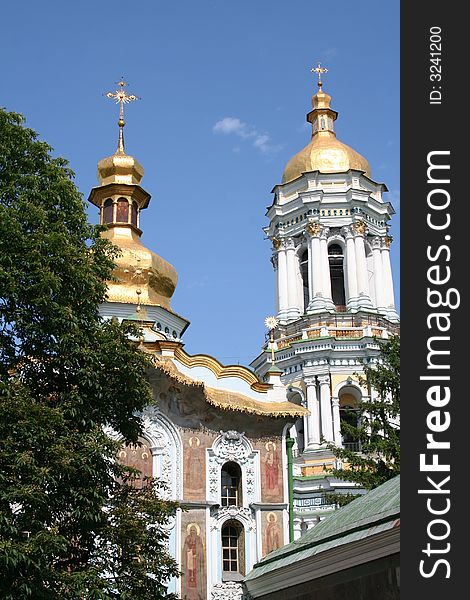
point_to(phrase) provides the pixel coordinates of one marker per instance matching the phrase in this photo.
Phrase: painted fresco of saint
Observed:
(271, 462)
(193, 557)
(194, 476)
(272, 534)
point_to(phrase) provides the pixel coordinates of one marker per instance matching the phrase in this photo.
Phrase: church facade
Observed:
(215, 434)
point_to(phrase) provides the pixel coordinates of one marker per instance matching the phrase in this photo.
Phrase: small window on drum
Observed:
(134, 214)
(122, 212)
(108, 211)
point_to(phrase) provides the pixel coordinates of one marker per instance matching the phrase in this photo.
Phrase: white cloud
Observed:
(231, 125)
(234, 126)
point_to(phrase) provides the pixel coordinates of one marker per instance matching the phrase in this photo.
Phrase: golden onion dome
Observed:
(324, 153)
(120, 168)
(141, 275)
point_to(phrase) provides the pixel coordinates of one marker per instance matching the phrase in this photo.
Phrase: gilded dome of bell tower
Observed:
(141, 276)
(324, 153)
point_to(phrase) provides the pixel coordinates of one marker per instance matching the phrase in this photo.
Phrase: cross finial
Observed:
(271, 324)
(121, 97)
(319, 70)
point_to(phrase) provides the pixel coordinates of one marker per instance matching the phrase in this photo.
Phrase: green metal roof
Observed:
(372, 513)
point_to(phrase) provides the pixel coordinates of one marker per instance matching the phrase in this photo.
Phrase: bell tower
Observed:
(143, 282)
(329, 229)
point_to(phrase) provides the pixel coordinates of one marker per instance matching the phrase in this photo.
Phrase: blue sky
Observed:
(225, 87)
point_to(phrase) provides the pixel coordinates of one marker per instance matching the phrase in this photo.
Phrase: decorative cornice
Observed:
(219, 370)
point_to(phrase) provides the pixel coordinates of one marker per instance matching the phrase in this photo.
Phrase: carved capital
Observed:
(289, 243)
(309, 381)
(359, 227)
(376, 242)
(324, 379)
(388, 241)
(347, 232)
(313, 228)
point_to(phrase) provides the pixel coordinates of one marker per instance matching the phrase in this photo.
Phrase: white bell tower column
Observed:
(388, 279)
(325, 268)
(336, 421)
(281, 272)
(351, 272)
(376, 244)
(325, 407)
(364, 301)
(293, 300)
(313, 419)
(317, 300)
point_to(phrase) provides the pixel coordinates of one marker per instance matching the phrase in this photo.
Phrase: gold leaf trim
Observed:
(219, 370)
(227, 400)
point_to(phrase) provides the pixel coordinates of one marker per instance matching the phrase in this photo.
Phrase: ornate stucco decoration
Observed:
(166, 448)
(360, 227)
(233, 446)
(313, 228)
(227, 590)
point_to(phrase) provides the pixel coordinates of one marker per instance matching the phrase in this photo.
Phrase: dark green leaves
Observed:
(69, 526)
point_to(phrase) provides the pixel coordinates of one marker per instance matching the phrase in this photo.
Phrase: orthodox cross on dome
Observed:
(319, 70)
(121, 97)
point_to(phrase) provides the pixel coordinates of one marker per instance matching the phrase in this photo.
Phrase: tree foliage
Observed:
(377, 432)
(72, 524)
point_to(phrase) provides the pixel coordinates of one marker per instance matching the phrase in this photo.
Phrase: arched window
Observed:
(348, 413)
(134, 214)
(108, 211)
(122, 212)
(304, 274)
(231, 485)
(335, 259)
(233, 551)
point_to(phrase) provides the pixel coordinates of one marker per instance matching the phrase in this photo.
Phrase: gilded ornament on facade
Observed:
(276, 243)
(313, 228)
(388, 241)
(359, 227)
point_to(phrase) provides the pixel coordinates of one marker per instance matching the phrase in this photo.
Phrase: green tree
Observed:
(374, 426)
(72, 524)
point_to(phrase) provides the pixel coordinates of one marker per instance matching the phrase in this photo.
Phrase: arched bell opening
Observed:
(336, 264)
